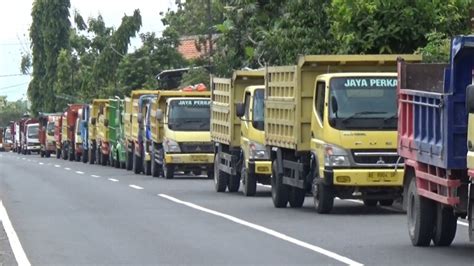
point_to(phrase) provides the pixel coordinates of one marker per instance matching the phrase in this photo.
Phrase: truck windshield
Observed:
(364, 103)
(33, 132)
(258, 109)
(189, 115)
(50, 128)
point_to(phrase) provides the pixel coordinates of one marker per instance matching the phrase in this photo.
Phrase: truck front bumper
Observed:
(195, 158)
(260, 167)
(364, 177)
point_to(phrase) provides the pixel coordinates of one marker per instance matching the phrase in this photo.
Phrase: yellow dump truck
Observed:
(331, 128)
(96, 114)
(240, 152)
(176, 134)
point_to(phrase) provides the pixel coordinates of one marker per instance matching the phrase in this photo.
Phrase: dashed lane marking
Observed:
(79, 172)
(113, 179)
(265, 230)
(96, 176)
(135, 187)
(57, 165)
(67, 168)
(40, 163)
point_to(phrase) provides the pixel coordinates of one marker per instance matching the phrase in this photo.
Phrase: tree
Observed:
(11, 111)
(49, 34)
(393, 26)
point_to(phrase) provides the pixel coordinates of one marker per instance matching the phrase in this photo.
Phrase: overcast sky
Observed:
(15, 20)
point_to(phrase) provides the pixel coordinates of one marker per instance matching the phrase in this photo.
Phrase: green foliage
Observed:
(49, 34)
(437, 49)
(393, 26)
(195, 76)
(11, 111)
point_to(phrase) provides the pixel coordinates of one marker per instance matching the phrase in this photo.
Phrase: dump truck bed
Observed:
(225, 125)
(289, 93)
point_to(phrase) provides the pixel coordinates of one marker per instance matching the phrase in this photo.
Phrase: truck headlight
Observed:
(258, 151)
(335, 156)
(171, 146)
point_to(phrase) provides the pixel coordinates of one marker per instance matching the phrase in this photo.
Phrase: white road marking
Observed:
(463, 223)
(40, 163)
(113, 179)
(57, 165)
(15, 244)
(266, 231)
(23, 158)
(135, 187)
(67, 168)
(96, 176)
(79, 172)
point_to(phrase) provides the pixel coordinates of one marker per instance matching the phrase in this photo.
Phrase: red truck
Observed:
(70, 148)
(46, 133)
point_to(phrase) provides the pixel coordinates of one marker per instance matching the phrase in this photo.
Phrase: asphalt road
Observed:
(73, 213)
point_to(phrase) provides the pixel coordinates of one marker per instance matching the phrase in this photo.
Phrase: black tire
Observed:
(58, 153)
(92, 154)
(370, 202)
(129, 160)
(296, 197)
(420, 216)
(386, 202)
(147, 166)
(71, 153)
(249, 181)
(168, 171)
(77, 157)
(137, 164)
(234, 183)
(323, 198)
(220, 178)
(280, 191)
(117, 160)
(104, 159)
(155, 167)
(47, 154)
(210, 173)
(445, 226)
(42, 154)
(122, 165)
(85, 156)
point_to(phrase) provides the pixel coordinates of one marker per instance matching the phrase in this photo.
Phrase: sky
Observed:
(15, 21)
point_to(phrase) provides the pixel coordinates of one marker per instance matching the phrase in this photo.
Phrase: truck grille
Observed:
(196, 147)
(377, 157)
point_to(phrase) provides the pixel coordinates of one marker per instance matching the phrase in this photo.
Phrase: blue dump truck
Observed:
(435, 140)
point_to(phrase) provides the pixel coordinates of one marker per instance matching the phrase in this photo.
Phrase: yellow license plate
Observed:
(199, 158)
(381, 176)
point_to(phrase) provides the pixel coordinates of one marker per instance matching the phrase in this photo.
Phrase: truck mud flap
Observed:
(229, 161)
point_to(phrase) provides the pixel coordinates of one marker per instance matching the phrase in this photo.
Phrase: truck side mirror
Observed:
(239, 109)
(334, 105)
(93, 121)
(470, 99)
(106, 122)
(159, 114)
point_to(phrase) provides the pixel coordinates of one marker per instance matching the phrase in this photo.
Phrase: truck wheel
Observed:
(42, 154)
(71, 154)
(168, 171)
(249, 181)
(117, 160)
(91, 155)
(280, 191)
(78, 158)
(85, 156)
(370, 202)
(137, 163)
(234, 183)
(122, 165)
(386, 202)
(104, 159)
(58, 153)
(296, 197)
(445, 226)
(323, 198)
(147, 166)
(220, 178)
(155, 167)
(129, 160)
(420, 215)
(210, 173)
(47, 154)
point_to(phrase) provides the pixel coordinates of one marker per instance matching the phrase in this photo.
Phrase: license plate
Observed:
(381, 176)
(199, 158)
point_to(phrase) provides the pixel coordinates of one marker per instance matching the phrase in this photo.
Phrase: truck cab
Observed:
(256, 165)
(31, 143)
(353, 129)
(8, 139)
(116, 133)
(186, 139)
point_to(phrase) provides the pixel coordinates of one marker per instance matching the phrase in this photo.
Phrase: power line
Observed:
(12, 75)
(13, 86)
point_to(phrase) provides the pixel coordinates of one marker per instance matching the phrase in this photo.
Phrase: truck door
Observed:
(244, 125)
(320, 109)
